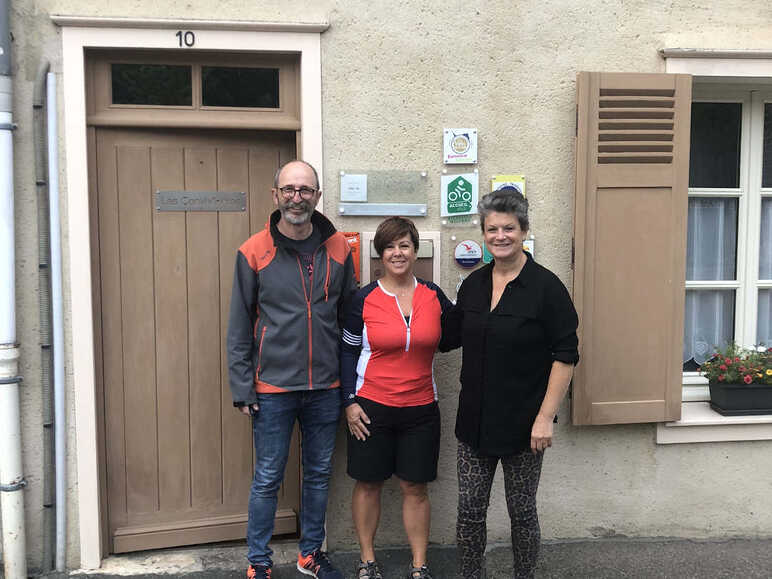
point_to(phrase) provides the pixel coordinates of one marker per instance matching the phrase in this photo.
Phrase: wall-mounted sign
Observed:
(468, 253)
(200, 201)
(458, 194)
(516, 181)
(353, 187)
(459, 146)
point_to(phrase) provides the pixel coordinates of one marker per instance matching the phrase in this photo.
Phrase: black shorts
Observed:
(404, 441)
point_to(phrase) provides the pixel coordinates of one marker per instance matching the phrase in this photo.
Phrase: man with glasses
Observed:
(290, 283)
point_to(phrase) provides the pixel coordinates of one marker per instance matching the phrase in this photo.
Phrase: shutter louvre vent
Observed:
(635, 125)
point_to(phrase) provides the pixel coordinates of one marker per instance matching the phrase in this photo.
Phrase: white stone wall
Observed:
(393, 75)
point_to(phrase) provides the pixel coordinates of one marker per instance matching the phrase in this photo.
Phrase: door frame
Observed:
(79, 34)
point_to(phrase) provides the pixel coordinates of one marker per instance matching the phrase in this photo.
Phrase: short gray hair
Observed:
(306, 163)
(508, 199)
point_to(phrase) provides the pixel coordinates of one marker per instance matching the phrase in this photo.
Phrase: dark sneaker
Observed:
(258, 572)
(368, 570)
(318, 565)
(421, 572)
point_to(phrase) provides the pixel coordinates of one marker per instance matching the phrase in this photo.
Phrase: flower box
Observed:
(740, 399)
(740, 380)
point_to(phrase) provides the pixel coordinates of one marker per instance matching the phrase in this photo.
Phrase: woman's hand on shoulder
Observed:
(541, 433)
(357, 421)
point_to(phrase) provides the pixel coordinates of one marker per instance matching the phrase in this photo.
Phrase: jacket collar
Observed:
(319, 221)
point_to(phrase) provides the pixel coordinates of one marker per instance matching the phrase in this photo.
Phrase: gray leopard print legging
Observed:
(475, 478)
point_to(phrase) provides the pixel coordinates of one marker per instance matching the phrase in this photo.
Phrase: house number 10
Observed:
(186, 38)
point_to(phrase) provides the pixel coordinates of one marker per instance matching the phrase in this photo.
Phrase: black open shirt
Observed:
(508, 353)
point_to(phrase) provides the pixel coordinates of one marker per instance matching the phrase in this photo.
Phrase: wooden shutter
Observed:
(632, 173)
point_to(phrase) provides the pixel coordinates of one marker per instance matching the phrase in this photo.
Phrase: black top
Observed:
(508, 354)
(305, 249)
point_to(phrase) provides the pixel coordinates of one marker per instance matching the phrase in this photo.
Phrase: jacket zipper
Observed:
(307, 295)
(407, 324)
(327, 279)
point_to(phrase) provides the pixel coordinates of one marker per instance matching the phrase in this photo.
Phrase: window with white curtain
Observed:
(729, 236)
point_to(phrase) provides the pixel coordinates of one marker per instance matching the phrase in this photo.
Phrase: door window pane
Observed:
(223, 86)
(764, 333)
(715, 145)
(152, 84)
(765, 243)
(708, 325)
(711, 239)
(766, 168)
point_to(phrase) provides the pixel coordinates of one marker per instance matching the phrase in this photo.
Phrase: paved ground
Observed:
(603, 558)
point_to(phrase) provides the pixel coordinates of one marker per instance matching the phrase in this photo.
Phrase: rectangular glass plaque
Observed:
(385, 193)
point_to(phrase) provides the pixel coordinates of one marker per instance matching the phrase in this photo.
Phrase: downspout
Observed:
(11, 477)
(55, 240)
(44, 300)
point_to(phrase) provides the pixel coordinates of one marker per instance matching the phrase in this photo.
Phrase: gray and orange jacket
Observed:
(282, 335)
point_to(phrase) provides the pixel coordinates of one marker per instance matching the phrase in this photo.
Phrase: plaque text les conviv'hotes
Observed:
(200, 201)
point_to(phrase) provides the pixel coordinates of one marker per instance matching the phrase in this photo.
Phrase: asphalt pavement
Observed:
(602, 558)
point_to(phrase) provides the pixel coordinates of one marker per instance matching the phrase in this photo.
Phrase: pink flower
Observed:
(747, 379)
(722, 367)
(720, 377)
(728, 361)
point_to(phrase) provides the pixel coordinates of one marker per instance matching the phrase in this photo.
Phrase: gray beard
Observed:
(295, 219)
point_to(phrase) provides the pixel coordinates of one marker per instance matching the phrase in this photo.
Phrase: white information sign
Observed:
(468, 253)
(353, 187)
(458, 194)
(459, 146)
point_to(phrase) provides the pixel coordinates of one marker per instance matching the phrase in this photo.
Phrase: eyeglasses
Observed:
(288, 192)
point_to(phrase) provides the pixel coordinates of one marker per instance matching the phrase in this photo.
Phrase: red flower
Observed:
(737, 359)
(742, 368)
(722, 367)
(747, 379)
(728, 361)
(720, 377)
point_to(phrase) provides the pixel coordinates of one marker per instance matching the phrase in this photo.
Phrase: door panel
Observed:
(179, 456)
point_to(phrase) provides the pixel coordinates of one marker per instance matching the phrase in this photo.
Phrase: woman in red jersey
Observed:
(391, 332)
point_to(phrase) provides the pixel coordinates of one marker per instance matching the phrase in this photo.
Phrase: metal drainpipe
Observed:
(55, 238)
(44, 300)
(11, 476)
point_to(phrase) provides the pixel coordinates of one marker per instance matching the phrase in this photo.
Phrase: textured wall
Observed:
(395, 74)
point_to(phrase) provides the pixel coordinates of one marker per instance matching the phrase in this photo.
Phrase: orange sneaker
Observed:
(258, 572)
(318, 565)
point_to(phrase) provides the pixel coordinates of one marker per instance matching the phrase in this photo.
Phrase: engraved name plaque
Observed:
(200, 201)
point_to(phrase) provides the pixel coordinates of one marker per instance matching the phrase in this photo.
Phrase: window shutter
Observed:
(632, 173)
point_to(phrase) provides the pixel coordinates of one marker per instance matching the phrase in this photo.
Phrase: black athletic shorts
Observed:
(404, 441)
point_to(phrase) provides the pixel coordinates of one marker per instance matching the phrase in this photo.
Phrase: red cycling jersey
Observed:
(387, 356)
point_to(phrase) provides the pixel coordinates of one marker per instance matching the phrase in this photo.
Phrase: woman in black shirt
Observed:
(517, 325)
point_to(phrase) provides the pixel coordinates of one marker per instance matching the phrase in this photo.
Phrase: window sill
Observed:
(699, 423)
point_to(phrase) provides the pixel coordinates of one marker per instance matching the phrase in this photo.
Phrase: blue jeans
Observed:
(318, 412)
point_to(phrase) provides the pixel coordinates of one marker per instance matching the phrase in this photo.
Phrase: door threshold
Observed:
(184, 560)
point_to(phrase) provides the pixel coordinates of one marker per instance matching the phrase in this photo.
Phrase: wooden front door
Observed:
(178, 457)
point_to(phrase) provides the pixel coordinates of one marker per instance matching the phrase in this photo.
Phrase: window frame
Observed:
(101, 111)
(740, 68)
(749, 194)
